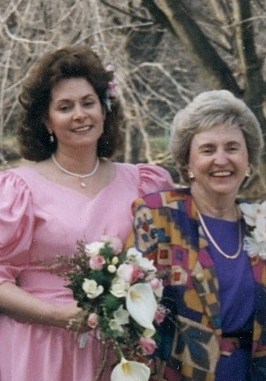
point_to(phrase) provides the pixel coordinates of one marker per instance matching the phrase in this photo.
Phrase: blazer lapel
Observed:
(206, 283)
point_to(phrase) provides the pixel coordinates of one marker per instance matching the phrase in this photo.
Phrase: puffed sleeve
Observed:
(16, 224)
(153, 178)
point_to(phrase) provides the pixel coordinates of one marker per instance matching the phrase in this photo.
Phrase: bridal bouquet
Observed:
(255, 217)
(120, 293)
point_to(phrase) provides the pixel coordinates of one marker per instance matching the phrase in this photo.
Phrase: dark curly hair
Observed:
(35, 97)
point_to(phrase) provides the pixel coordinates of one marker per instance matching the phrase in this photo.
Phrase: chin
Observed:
(225, 190)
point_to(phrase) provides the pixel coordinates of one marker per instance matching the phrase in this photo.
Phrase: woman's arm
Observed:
(24, 307)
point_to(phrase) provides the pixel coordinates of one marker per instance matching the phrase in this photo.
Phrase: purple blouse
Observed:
(237, 294)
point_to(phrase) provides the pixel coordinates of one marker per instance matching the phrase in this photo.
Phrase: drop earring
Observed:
(51, 138)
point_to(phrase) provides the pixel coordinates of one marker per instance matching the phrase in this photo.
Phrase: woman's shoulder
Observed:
(148, 177)
(18, 177)
(178, 198)
(15, 175)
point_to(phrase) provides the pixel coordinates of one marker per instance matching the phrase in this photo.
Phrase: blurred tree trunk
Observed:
(175, 16)
(150, 37)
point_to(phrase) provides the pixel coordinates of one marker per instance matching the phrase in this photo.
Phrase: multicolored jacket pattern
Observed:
(167, 229)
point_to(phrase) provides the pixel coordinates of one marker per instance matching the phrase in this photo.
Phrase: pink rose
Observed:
(148, 345)
(97, 262)
(92, 320)
(130, 273)
(160, 314)
(137, 274)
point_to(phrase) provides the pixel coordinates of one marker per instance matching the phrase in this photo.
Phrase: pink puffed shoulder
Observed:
(153, 179)
(16, 216)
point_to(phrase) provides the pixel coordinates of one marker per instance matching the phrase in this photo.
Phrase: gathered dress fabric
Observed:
(39, 220)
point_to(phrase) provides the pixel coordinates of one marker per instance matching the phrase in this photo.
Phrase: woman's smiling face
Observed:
(76, 115)
(219, 161)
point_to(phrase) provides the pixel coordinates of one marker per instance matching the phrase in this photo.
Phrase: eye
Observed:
(207, 150)
(233, 148)
(64, 107)
(88, 103)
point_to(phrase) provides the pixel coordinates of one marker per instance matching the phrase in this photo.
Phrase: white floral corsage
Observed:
(255, 217)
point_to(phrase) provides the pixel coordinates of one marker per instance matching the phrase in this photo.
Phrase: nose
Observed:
(221, 157)
(79, 112)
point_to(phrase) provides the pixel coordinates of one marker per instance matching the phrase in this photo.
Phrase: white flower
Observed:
(118, 287)
(133, 253)
(91, 288)
(147, 264)
(125, 271)
(255, 216)
(252, 212)
(135, 256)
(115, 260)
(121, 317)
(254, 247)
(260, 230)
(115, 326)
(115, 243)
(93, 249)
(141, 304)
(130, 371)
(148, 332)
(111, 269)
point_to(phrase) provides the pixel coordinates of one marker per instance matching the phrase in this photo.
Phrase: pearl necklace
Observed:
(82, 184)
(208, 234)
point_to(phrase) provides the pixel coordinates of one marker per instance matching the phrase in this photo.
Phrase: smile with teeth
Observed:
(220, 173)
(81, 129)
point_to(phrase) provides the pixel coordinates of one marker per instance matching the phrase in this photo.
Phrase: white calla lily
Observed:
(141, 304)
(130, 371)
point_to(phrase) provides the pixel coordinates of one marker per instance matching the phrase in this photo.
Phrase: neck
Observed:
(76, 162)
(218, 207)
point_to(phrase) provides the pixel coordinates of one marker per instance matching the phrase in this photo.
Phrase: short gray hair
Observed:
(207, 110)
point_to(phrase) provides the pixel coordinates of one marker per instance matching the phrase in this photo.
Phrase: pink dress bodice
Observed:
(40, 219)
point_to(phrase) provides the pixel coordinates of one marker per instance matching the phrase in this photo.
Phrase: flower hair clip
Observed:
(111, 89)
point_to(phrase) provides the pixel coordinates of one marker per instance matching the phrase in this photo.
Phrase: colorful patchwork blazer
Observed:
(167, 229)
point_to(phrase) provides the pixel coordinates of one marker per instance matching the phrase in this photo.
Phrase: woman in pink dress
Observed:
(71, 192)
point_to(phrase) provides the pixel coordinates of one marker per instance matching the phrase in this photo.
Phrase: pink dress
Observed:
(38, 220)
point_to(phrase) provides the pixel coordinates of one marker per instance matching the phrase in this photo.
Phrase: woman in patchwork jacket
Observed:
(215, 289)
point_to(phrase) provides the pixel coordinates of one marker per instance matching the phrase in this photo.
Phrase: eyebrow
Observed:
(230, 142)
(70, 100)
